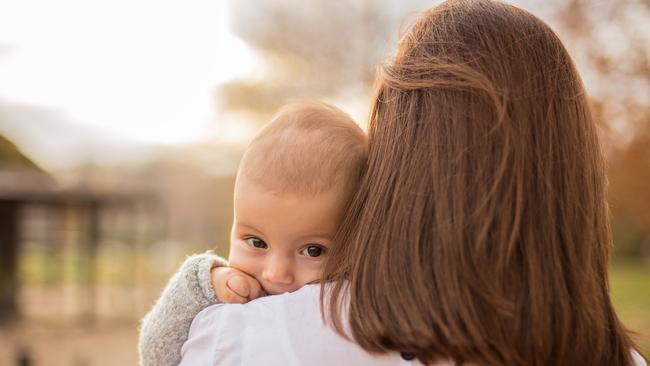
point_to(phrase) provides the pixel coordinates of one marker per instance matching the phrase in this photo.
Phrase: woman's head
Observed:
(480, 230)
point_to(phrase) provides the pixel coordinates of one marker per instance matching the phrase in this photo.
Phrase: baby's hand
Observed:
(234, 286)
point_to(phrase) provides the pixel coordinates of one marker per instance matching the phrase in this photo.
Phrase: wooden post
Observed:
(8, 259)
(93, 241)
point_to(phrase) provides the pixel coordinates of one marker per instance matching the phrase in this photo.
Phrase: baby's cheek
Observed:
(311, 273)
(244, 262)
(233, 253)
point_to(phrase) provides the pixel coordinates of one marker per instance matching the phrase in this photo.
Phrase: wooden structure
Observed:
(22, 184)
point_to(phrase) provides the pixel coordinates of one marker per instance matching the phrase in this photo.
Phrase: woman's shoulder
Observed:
(638, 359)
(283, 329)
(266, 308)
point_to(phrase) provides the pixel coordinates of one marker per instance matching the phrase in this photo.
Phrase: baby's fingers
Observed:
(239, 285)
(255, 289)
(231, 297)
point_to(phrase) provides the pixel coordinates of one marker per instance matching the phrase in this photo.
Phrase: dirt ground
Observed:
(53, 330)
(69, 345)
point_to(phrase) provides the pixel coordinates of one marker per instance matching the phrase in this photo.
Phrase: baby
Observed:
(293, 186)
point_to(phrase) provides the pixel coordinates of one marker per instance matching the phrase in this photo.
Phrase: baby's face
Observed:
(282, 240)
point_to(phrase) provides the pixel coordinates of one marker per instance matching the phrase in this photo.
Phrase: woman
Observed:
(479, 234)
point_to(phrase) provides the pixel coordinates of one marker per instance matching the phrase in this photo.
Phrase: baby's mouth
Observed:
(277, 290)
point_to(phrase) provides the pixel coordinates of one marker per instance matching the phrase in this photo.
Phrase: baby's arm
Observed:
(165, 328)
(202, 280)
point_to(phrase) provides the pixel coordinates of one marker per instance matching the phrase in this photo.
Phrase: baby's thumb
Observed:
(239, 286)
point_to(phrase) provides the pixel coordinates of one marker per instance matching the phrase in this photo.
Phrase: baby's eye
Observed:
(256, 242)
(313, 251)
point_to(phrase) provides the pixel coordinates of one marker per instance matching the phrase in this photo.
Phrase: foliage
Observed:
(630, 290)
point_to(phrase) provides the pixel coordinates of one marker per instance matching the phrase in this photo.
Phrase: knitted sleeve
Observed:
(166, 327)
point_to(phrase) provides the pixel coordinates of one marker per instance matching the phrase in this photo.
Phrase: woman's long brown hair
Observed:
(480, 230)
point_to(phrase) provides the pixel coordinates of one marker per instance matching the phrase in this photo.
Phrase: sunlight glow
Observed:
(142, 70)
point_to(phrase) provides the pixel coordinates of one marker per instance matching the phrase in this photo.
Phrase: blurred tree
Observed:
(611, 43)
(315, 51)
(630, 191)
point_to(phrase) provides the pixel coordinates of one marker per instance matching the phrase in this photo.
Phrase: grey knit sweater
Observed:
(166, 327)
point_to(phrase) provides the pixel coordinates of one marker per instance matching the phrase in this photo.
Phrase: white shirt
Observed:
(280, 330)
(274, 330)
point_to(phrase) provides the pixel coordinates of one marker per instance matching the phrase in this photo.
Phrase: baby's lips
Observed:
(269, 290)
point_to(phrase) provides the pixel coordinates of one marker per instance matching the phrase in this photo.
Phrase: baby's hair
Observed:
(308, 148)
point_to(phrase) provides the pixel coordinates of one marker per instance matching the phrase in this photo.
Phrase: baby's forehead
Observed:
(272, 189)
(264, 209)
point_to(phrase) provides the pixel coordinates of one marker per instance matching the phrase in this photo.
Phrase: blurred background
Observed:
(122, 124)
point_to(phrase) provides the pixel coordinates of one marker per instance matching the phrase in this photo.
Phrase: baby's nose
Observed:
(279, 273)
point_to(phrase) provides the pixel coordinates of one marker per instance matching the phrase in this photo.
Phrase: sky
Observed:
(102, 81)
(97, 80)
(139, 70)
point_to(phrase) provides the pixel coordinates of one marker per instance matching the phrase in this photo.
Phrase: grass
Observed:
(630, 291)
